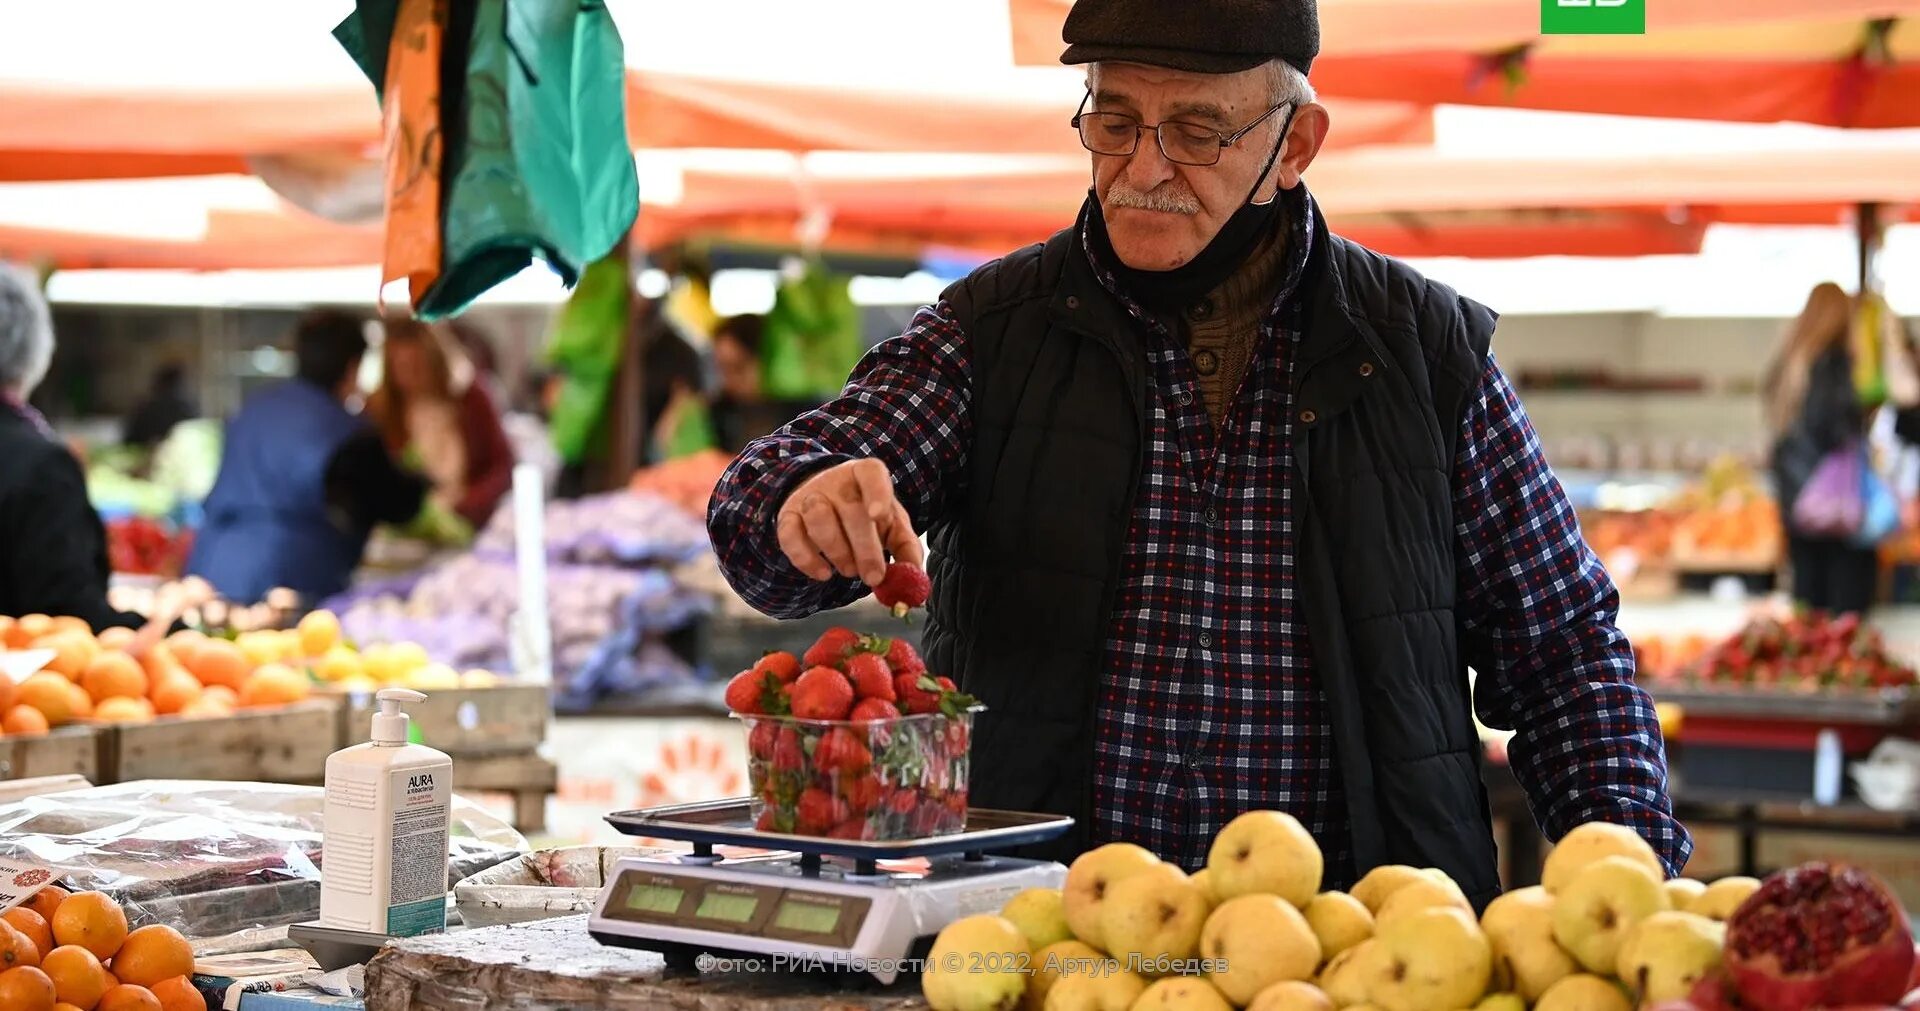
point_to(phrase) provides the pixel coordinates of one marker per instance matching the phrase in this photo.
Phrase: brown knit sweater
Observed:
(1223, 328)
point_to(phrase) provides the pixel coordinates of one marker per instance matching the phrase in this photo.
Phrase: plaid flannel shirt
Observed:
(1209, 706)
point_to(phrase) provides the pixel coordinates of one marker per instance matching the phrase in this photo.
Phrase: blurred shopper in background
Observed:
(167, 404)
(436, 416)
(53, 547)
(303, 481)
(1816, 408)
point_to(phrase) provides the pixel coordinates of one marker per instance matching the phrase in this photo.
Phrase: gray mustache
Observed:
(1159, 198)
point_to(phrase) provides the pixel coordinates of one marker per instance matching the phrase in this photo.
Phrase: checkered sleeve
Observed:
(906, 404)
(1538, 626)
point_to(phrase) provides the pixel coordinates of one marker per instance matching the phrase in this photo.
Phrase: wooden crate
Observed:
(525, 776)
(461, 721)
(287, 744)
(66, 751)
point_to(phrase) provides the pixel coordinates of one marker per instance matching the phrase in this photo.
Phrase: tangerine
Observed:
(274, 685)
(78, 977)
(151, 954)
(25, 920)
(46, 901)
(71, 653)
(91, 920)
(121, 709)
(219, 662)
(24, 719)
(185, 645)
(160, 662)
(113, 675)
(72, 624)
(174, 693)
(16, 949)
(6, 691)
(127, 997)
(178, 994)
(115, 638)
(27, 628)
(26, 989)
(82, 702)
(51, 694)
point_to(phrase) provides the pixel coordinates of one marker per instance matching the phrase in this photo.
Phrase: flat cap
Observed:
(1200, 36)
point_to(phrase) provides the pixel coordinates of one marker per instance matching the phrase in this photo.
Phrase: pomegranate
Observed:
(1714, 992)
(1819, 935)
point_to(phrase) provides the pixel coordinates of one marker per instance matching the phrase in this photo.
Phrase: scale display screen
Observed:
(806, 917)
(655, 898)
(716, 905)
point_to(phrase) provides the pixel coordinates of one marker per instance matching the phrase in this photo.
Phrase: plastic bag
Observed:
(1880, 510)
(1831, 504)
(220, 862)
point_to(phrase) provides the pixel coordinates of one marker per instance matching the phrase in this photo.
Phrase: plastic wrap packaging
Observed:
(540, 885)
(226, 864)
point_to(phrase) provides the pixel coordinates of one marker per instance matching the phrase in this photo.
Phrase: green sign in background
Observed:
(1593, 17)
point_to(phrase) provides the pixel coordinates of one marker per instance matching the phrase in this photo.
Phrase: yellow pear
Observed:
(1593, 841)
(1265, 852)
(978, 963)
(1382, 881)
(1417, 895)
(1088, 879)
(1667, 953)
(1108, 990)
(1041, 914)
(1594, 912)
(1260, 940)
(1181, 993)
(1291, 995)
(1501, 1002)
(1682, 891)
(1058, 961)
(1723, 897)
(1583, 992)
(1153, 918)
(1429, 959)
(1339, 920)
(1525, 955)
(1202, 880)
(1346, 974)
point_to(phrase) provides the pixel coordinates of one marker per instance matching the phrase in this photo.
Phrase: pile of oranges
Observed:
(93, 677)
(61, 952)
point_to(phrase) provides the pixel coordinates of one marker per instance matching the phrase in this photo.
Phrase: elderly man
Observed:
(53, 548)
(1222, 506)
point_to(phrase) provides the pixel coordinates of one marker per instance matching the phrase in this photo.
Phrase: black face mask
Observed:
(1167, 290)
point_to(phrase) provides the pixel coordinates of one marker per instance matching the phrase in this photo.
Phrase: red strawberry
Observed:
(915, 700)
(788, 756)
(765, 823)
(819, 809)
(956, 738)
(743, 692)
(854, 829)
(761, 738)
(871, 679)
(862, 793)
(904, 588)
(946, 684)
(783, 666)
(903, 658)
(822, 694)
(902, 801)
(873, 709)
(832, 648)
(841, 750)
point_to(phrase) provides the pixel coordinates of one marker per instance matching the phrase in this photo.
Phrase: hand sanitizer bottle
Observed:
(383, 860)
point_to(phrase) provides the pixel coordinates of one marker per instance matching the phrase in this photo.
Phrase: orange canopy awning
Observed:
(1815, 61)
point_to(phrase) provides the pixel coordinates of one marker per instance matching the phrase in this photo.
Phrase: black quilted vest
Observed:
(1026, 564)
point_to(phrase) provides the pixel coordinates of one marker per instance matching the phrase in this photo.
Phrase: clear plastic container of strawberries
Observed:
(855, 738)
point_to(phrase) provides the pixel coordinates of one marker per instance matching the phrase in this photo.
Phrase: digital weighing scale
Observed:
(836, 904)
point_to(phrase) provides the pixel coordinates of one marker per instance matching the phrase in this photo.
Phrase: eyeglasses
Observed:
(1118, 134)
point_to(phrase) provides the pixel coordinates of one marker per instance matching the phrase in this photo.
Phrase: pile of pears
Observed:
(1604, 931)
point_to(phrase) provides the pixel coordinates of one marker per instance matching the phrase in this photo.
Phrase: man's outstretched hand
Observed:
(846, 521)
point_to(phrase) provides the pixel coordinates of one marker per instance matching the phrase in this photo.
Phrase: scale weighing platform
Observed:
(842, 904)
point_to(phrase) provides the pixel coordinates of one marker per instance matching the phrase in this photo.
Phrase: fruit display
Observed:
(60, 950)
(1802, 652)
(854, 740)
(1253, 929)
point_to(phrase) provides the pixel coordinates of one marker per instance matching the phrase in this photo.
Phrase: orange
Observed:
(222, 695)
(115, 638)
(24, 720)
(127, 997)
(81, 701)
(64, 1006)
(204, 708)
(160, 662)
(151, 954)
(49, 693)
(121, 709)
(78, 977)
(71, 654)
(32, 924)
(112, 980)
(219, 662)
(16, 949)
(178, 994)
(27, 628)
(46, 901)
(114, 674)
(67, 623)
(26, 989)
(275, 685)
(6, 630)
(6, 691)
(185, 645)
(91, 920)
(174, 692)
